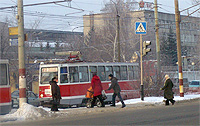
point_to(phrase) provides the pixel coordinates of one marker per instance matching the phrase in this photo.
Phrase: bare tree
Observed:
(102, 40)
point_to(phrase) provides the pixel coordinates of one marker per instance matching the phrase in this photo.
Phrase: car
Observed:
(195, 83)
(32, 98)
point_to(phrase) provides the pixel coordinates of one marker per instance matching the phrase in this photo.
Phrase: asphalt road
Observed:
(186, 113)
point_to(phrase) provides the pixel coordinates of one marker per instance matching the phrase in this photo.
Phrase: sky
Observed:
(57, 17)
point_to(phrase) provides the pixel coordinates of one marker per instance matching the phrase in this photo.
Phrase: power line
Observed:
(54, 2)
(190, 7)
(87, 3)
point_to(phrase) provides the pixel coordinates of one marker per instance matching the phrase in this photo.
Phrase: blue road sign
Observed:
(140, 27)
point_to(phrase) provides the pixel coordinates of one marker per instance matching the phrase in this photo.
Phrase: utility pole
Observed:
(177, 19)
(118, 37)
(157, 40)
(22, 70)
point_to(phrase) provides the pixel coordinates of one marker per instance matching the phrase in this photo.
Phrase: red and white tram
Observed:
(5, 94)
(75, 78)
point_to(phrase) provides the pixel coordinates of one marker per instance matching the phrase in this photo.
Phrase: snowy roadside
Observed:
(29, 112)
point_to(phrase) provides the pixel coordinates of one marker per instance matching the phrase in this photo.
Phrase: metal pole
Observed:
(157, 39)
(177, 19)
(118, 37)
(141, 69)
(22, 70)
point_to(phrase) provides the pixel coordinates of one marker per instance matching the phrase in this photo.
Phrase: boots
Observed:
(123, 105)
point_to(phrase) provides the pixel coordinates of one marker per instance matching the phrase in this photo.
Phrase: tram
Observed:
(75, 78)
(5, 93)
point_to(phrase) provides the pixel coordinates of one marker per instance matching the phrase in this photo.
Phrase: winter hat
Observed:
(110, 75)
(53, 78)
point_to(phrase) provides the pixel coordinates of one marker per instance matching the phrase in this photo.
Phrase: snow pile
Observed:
(26, 112)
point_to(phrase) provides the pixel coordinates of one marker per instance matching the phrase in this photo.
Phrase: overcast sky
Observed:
(70, 18)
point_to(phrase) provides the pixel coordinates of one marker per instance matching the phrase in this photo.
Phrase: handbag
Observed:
(104, 97)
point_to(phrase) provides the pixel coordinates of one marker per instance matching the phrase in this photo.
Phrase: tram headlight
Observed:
(41, 95)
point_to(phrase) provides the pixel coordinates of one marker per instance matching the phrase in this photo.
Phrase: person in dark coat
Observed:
(115, 86)
(168, 93)
(97, 89)
(56, 96)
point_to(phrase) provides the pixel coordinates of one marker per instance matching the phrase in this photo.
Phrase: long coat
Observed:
(168, 93)
(96, 85)
(114, 85)
(55, 90)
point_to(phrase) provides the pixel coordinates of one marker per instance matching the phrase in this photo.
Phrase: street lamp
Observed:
(193, 69)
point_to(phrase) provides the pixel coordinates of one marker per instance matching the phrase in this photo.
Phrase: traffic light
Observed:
(145, 47)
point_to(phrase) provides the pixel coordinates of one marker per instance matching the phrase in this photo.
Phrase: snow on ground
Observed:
(29, 112)
(158, 100)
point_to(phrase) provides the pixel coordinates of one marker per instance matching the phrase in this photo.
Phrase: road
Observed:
(186, 113)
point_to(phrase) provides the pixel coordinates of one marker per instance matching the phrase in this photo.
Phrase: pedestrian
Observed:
(97, 89)
(168, 93)
(115, 86)
(56, 96)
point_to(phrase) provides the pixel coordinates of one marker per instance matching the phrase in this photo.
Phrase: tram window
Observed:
(130, 73)
(136, 72)
(93, 69)
(3, 74)
(63, 70)
(116, 71)
(101, 73)
(63, 78)
(73, 74)
(63, 75)
(123, 72)
(83, 74)
(108, 70)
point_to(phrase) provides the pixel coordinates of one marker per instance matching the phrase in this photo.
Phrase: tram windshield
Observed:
(48, 74)
(3, 74)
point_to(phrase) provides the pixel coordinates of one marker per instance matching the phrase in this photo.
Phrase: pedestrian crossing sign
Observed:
(140, 27)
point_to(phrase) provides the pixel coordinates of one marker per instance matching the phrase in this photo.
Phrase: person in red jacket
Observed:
(97, 88)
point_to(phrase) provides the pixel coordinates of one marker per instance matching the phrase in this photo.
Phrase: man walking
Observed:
(115, 86)
(168, 93)
(56, 96)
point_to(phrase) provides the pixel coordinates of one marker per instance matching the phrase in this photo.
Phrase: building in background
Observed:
(40, 46)
(189, 28)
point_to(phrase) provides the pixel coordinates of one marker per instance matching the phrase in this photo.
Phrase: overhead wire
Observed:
(56, 16)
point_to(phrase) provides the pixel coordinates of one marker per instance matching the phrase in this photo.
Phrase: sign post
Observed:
(141, 28)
